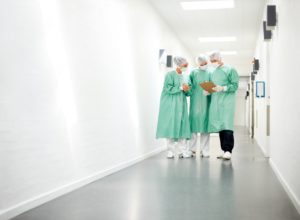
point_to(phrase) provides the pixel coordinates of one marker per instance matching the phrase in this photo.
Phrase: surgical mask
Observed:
(183, 69)
(204, 67)
(215, 65)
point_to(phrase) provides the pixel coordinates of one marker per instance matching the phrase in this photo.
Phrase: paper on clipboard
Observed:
(207, 86)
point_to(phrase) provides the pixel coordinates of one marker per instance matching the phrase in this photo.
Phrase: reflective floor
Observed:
(186, 189)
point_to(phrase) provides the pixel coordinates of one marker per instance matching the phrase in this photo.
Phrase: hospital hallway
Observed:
(99, 98)
(197, 188)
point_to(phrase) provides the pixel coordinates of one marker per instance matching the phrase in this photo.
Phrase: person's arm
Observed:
(190, 84)
(169, 86)
(233, 79)
(232, 85)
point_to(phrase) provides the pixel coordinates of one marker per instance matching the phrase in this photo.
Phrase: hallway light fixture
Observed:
(206, 5)
(217, 39)
(229, 52)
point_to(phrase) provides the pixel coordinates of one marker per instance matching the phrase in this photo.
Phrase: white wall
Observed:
(240, 118)
(79, 93)
(279, 67)
(263, 53)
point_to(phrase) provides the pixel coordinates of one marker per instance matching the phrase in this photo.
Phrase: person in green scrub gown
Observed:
(173, 121)
(199, 106)
(222, 106)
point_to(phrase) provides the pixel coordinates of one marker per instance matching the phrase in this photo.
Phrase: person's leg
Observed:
(221, 136)
(171, 148)
(193, 143)
(204, 144)
(228, 140)
(183, 149)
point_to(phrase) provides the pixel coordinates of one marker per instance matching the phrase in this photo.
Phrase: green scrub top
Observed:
(222, 106)
(173, 121)
(199, 103)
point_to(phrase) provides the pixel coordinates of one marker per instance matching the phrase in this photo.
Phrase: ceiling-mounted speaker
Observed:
(271, 17)
(267, 33)
(255, 65)
(169, 61)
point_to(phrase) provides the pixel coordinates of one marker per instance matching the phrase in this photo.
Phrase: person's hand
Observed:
(185, 87)
(205, 93)
(219, 88)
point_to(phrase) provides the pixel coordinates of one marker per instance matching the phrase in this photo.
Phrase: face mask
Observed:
(183, 69)
(215, 65)
(203, 67)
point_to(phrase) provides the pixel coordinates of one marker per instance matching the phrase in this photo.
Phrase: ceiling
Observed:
(243, 21)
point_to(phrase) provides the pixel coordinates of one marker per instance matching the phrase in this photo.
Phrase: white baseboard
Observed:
(263, 150)
(55, 193)
(286, 186)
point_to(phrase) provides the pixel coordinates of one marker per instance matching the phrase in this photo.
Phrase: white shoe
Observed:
(205, 155)
(220, 156)
(170, 155)
(187, 154)
(227, 155)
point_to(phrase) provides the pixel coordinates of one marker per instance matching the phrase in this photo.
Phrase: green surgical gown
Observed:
(222, 106)
(199, 103)
(173, 121)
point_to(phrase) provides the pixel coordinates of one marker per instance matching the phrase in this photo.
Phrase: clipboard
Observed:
(208, 86)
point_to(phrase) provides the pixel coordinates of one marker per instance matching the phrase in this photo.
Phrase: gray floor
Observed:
(160, 189)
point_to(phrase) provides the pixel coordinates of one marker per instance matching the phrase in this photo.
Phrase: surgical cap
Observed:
(179, 60)
(201, 59)
(215, 55)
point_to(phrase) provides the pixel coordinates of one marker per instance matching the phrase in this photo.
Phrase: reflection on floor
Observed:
(185, 189)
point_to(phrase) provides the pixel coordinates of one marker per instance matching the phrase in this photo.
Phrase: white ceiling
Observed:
(242, 21)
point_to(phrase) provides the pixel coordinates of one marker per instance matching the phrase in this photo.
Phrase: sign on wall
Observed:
(260, 89)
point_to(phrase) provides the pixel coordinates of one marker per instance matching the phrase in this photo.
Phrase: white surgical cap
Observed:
(215, 55)
(201, 59)
(179, 60)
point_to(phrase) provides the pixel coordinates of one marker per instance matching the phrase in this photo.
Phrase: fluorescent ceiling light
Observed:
(217, 39)
(228, 52)
(202, 5)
